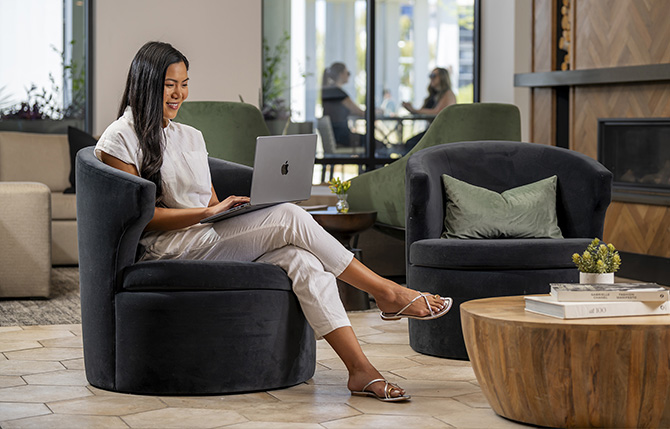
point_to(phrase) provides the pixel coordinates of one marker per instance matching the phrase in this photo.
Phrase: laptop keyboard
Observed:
(236, 208)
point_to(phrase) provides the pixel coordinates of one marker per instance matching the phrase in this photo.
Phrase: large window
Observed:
(317, 59)
(43, 72)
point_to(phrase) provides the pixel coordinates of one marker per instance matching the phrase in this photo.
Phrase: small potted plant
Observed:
(340, 189)
(598, 263)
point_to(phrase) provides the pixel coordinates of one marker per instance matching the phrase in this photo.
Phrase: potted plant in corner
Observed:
(598, 263)
(275, 111)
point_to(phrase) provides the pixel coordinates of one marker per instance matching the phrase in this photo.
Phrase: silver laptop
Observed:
(283, 169)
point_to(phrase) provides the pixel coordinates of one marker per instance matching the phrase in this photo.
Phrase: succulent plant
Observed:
(598, 258)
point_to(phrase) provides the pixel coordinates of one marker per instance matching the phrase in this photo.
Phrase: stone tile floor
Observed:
(42, 385)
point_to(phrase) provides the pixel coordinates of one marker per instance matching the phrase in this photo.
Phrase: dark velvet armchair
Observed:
(178, 327)
(468, 269)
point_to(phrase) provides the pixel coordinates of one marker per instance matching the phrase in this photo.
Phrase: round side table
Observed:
(344, 227)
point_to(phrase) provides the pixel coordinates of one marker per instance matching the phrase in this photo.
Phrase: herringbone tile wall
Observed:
(588, 103)
(609, 33)
(543, 128)
(544, 35)
(639, 228)
(636, 228)
(614, 33)
(543, 125)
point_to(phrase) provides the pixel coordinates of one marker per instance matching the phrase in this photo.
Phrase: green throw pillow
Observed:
(528, 211)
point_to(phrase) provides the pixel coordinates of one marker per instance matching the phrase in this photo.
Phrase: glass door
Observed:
(315, 77)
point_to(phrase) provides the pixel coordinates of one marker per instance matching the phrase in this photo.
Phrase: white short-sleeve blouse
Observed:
(185, 171)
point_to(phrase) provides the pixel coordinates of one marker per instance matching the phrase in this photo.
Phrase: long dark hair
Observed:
(332, 74)
(434, 95)
(144, 95)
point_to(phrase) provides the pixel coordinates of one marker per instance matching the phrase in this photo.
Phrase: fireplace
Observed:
(637, 152)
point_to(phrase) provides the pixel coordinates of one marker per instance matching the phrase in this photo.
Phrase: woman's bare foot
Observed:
(396, 297)
(390, 296)
(361, 371)
(358, 380)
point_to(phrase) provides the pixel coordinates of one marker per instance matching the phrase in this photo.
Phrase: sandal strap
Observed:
(421, 295)
(388, 387)
(376, 380)
(425, 297)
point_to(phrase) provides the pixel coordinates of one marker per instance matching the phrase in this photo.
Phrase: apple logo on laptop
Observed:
(284, 169)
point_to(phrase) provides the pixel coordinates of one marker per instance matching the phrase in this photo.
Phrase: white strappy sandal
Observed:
(433, 315)
(388, 388)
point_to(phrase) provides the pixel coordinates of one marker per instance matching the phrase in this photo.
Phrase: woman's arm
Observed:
(446, 100)
(353, 108)
(166, 219)
(215, 199)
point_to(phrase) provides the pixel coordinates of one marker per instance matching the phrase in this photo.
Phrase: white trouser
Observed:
(283, 235)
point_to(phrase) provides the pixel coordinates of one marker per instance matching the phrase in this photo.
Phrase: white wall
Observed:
(506, 49)
(220, 38)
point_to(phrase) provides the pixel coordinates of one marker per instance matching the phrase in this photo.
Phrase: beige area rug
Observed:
(62, 307)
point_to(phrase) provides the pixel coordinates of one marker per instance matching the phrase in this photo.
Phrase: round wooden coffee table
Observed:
(605, 372)
(344, 227)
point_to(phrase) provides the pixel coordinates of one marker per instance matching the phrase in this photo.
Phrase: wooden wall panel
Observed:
(613, 101)
(637, 228)
(544, 36)
(543, 124)
(610, 33)
(607, 33)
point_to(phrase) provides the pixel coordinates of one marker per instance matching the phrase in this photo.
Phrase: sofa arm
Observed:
(25, 239)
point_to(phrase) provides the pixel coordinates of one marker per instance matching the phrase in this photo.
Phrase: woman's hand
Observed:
(166, 219)
(226, 204)
(409, 107)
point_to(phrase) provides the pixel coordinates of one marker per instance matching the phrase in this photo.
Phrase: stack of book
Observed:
(577, 301)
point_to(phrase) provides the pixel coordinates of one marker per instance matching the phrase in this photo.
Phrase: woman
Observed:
(145, 142)
(440, 96)
(339, 106)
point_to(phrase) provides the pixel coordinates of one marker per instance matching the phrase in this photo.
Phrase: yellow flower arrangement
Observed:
(598, 258)
(339, 187)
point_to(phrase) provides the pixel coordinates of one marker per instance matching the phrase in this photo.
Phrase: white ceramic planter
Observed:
(590, 278)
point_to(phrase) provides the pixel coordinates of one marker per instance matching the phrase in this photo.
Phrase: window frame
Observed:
(369, 161)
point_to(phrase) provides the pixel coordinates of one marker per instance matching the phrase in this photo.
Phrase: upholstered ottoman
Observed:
(25, 240)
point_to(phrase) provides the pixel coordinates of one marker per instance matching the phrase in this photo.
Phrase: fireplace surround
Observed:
(637, 152)
(613, 74)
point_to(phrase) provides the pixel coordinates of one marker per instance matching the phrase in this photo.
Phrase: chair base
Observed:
(207, 342)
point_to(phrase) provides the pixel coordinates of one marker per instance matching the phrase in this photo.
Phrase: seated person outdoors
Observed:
(339, 106)
(440, 96)
(388, 107)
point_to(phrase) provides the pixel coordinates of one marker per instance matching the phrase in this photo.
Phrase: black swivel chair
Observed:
(178, 327)
(468, 269)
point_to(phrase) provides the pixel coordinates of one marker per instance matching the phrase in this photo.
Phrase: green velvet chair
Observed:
(229, 128)
(383, 190)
